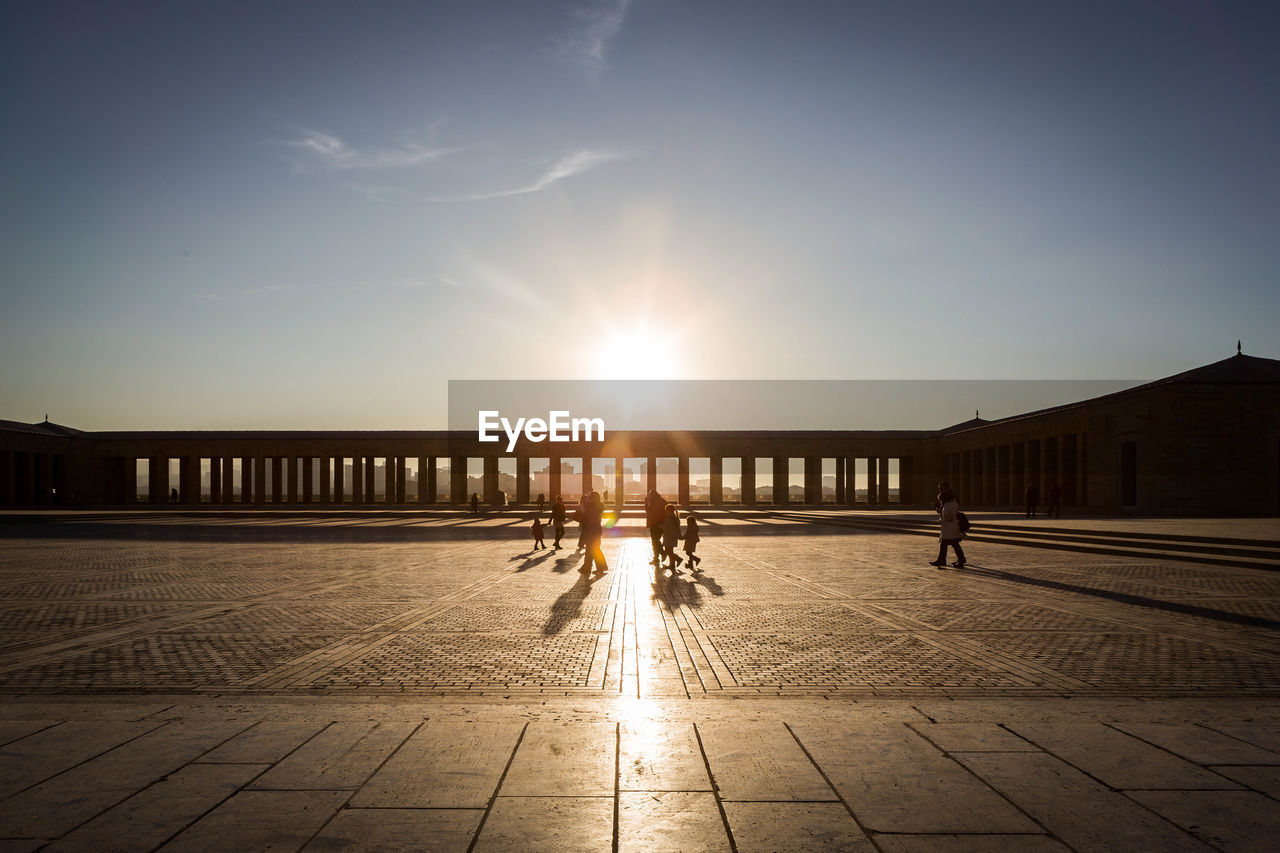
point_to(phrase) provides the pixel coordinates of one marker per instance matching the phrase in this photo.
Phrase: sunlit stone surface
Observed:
(395, 681)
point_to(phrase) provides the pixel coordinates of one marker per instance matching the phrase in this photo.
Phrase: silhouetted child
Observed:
(537, 534)
(691, 538)
(671, 536)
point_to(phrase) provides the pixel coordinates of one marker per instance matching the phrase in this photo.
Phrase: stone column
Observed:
(425, 479)
(290, 491)
(308, 479)
(1082, 471)
(157, 478)
(553, 479)
(850, 480)
(717, 480)
(884, 479)
(813, 480)
(259, 468)
(357, 479)
(490, 495)
(781, 480)
(651, 474)
(1017, 473)
(325, 486)
(370, 492)
(619, 484)
(226, 477)
(427, 476)
(748, 481)
(873, 490)
(458, 480)
(682, 480)
(215, 480)
(7, 497)
(522, 480)
(841, 498)
(339, 479)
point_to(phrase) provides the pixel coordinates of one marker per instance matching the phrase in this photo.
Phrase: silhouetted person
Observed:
(1033, 499)
(579, 515)
(950, 534)
(655, 512)
(475, 504)
(1055, 501)
(671, 537)
(173, 496)
(537, 534)
(691, 539)
(557, 520)
(542, 502)
(592, 530)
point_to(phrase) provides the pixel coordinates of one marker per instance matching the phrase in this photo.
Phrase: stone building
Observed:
(1203, 442)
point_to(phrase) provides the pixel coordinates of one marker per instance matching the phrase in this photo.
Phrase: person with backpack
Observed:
(952, 528)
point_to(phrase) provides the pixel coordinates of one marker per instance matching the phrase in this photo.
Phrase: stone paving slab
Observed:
(807, 690)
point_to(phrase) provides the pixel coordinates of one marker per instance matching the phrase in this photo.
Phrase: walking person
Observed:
(691, 538)
(536, 529)
(557, 520)
(592, 531)
(1033, 498)
(580, 516)
(671, 537)
(1055, 501)
(475, 504)
(655, 513)
(950, 534)
(542, 502)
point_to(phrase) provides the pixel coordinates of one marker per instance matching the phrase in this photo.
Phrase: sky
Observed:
(314, 215)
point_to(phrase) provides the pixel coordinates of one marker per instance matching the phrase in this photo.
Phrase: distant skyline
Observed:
(294, 215)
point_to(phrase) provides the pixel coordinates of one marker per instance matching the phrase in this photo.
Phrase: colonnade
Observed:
(334, 480)
(998, 474)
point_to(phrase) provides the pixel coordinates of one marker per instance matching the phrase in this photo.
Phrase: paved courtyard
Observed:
(327, 681)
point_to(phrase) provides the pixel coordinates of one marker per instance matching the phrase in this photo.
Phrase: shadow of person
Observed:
(532, 559)
(564, 564)
(568, 605)
(674, 590)
(709, 582)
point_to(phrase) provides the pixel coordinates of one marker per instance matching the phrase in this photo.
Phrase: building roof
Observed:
(1239, 368)
(42, 428)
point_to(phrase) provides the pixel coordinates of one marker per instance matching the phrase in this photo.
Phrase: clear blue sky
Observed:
(313, 214)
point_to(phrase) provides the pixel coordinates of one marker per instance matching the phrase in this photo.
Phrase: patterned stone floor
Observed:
(243, 683)
(825, 612)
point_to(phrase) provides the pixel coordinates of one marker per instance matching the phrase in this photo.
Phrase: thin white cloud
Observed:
(588, 39)
(328, 151)
(566, 167)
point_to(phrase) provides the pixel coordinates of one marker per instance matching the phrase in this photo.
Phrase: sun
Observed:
(639, 353)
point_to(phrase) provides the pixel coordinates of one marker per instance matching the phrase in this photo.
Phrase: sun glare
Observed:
(639, 354)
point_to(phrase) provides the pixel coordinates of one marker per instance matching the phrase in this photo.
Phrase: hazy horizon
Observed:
(315, 215)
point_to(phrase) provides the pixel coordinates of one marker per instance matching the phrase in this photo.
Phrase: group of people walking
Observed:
(662, 519)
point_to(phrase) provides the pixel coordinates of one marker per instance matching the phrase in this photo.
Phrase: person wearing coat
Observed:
(592, 531)
(950, 534)
(558, 520)
(671, 537)
(655, 513)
